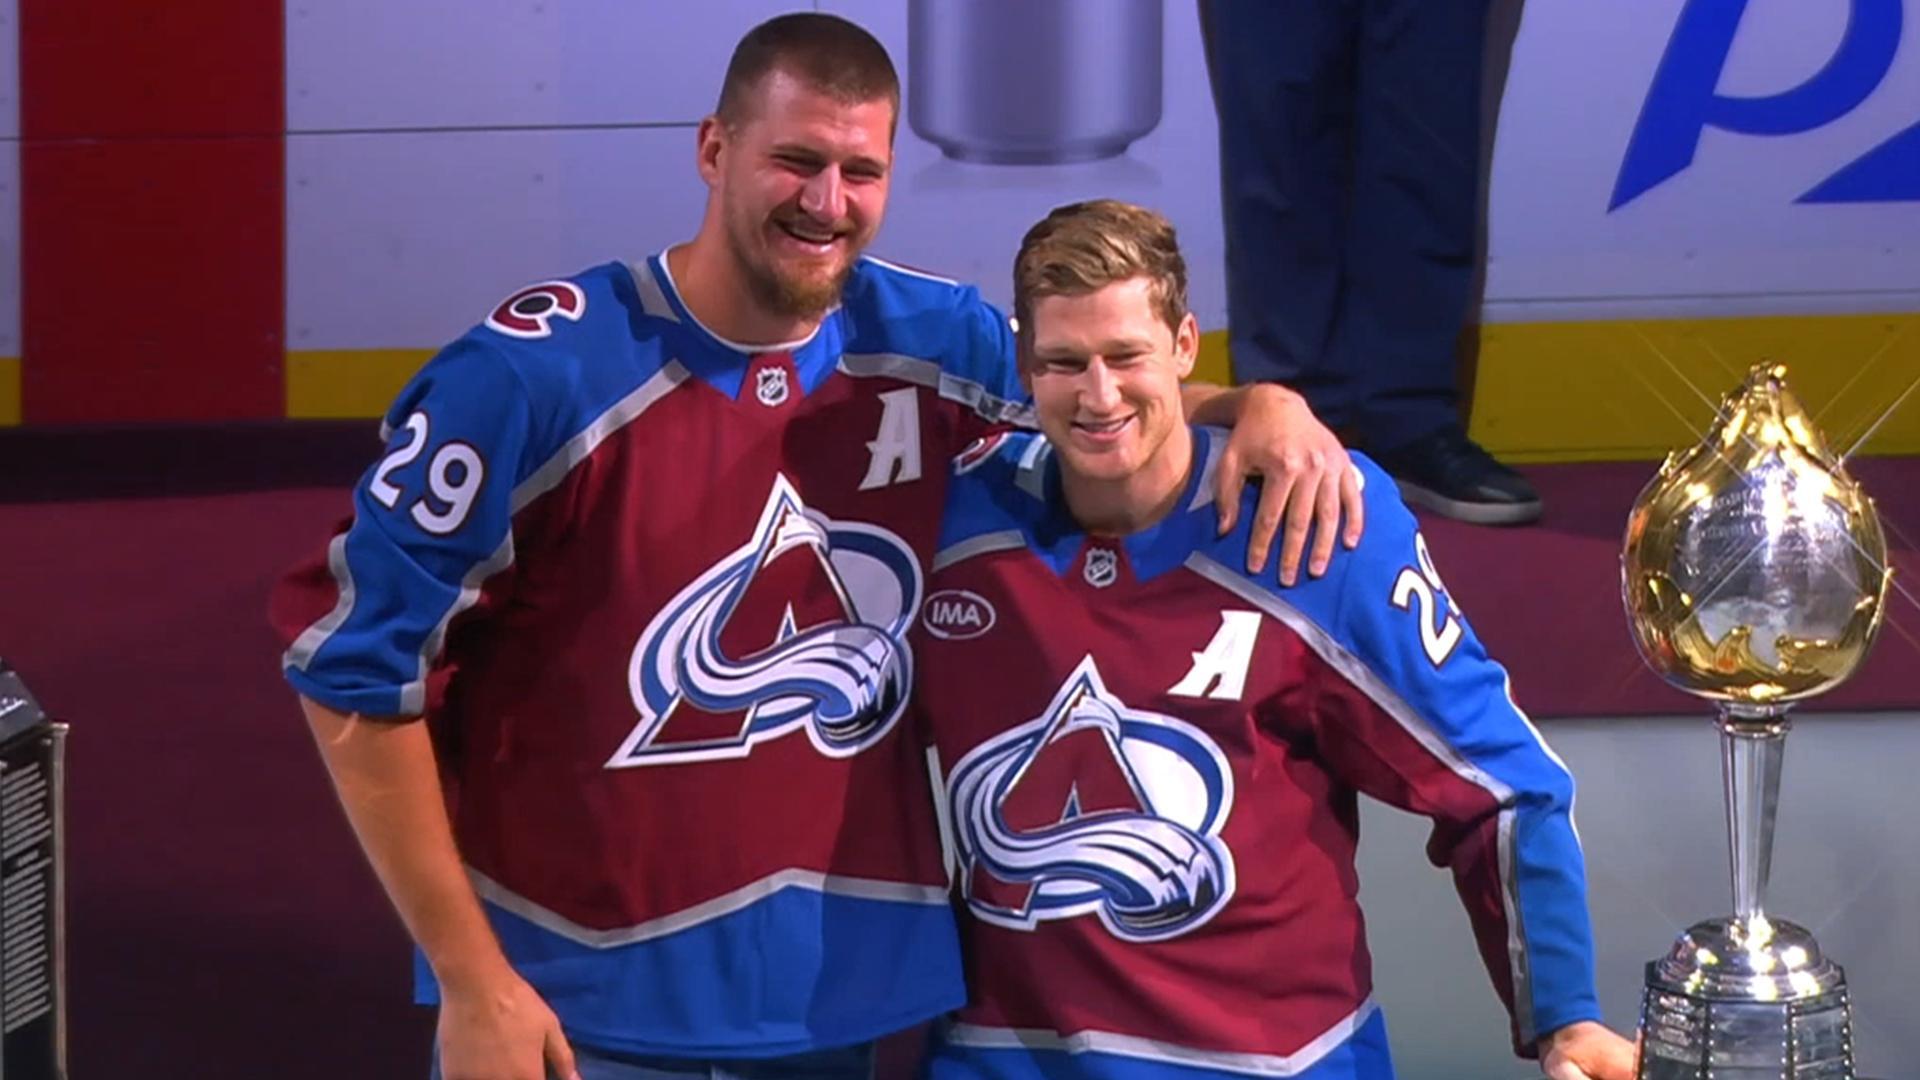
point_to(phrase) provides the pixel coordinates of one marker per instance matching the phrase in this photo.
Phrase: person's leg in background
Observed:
(1283, 83)
(1410, 254)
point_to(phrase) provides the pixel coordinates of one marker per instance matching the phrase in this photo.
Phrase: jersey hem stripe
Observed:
(745, 896)
(1106, 1042)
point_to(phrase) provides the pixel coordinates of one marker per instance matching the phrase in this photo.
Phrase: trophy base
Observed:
(1739, 1000)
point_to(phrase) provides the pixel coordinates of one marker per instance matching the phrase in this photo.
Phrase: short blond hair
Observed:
(1085, 246)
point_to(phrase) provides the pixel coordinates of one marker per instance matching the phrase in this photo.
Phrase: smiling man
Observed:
(642, 553)
(1152, 798)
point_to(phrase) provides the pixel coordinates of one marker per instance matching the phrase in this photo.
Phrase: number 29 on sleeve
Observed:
(455, 474)
(1420, 593)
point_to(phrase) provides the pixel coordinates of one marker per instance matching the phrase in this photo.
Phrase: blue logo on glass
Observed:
(1684, 101)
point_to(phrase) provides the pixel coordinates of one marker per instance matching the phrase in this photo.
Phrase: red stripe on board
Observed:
(119, 68)
(154, 280)
(152, 170)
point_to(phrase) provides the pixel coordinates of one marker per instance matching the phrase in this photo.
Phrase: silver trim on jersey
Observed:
(929, 374)
(1030, 475)
(413, 696)
(1517, 959)
(1356, 672)
(581, 446)
(310, 641)
(908, 270)
(1133, 1046)
(653, 300)
(984, 544)
(739, 899)
(1203, 496)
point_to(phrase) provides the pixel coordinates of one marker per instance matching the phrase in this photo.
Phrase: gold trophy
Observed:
(1754, 575)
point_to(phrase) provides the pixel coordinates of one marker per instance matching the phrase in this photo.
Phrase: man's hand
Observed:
(1306, 474)
(1587, 1051)
(500, 1029)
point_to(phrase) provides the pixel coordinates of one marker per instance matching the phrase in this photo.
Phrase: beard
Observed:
(791, 295)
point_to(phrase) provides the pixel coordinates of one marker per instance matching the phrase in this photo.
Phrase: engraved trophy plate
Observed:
(1754, 575)
(32, 887)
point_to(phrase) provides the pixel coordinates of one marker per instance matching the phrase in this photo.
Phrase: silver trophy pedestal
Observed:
(1740, 1000)
(1747, 997)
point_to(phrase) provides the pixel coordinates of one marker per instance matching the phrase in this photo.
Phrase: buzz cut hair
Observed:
(827, 53)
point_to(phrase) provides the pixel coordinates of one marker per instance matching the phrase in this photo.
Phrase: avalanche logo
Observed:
(730, 663)
(1095, 807)
(529, 313)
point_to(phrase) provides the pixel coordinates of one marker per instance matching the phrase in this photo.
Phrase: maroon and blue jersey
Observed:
(1150, 763)
(651, 591)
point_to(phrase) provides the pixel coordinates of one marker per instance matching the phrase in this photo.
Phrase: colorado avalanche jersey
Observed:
(1150, 767)
(651, 590)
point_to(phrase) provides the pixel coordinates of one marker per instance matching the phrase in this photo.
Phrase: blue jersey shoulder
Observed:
(1389, 544)
(566, 352)
(894, 310)
(999, 486)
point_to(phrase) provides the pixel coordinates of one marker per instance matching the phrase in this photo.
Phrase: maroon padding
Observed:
(53, 463)
(222, 921)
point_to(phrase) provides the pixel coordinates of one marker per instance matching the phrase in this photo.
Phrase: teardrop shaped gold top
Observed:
(1754, 569)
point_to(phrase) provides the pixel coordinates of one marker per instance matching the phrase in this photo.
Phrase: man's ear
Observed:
(1186, 344)
(709, 144)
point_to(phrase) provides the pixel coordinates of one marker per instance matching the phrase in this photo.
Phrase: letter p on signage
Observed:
(1684, 101)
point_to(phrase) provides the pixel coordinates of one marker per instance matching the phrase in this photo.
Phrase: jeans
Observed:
(842, 1063)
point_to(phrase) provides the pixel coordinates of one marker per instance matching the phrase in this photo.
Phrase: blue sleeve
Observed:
(908, 313)
(432, 522)
(986, 496)
(1406, 706)
(1502, 801)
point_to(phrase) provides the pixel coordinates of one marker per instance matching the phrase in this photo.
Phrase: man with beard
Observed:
(642, 552)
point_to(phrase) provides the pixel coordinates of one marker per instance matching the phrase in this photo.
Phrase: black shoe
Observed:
(1450, 474)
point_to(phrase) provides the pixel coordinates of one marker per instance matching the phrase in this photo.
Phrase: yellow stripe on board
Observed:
(1634, 389)
(9, 391)
(348, 383)
(1565, 391)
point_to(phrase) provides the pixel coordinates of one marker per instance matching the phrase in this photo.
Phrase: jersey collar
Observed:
(1154, 550)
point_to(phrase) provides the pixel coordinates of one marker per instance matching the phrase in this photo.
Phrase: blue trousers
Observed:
(1350, 178)
(843, 1063)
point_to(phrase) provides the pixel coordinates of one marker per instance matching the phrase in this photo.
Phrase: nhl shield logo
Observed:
(1102, 569)
(770, 386)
